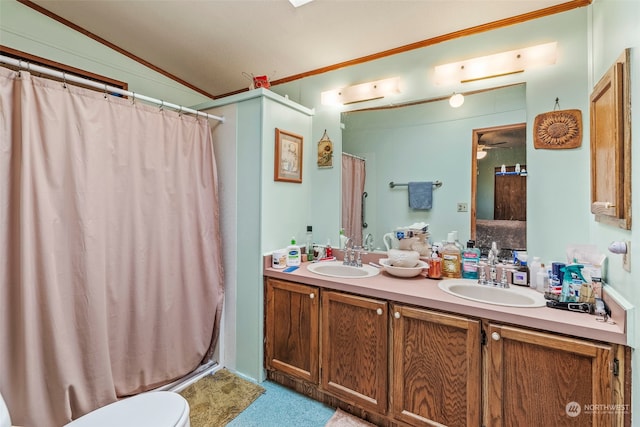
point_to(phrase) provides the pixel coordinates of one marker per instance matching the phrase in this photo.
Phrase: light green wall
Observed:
(26, 30)
(589, 39)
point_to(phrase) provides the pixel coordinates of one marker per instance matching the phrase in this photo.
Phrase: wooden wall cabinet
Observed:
(610, 123)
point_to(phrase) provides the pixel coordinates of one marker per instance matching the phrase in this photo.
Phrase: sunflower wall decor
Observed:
(325, 152)
(558, 129)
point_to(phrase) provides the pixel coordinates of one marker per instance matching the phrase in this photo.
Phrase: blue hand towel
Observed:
(420, 195)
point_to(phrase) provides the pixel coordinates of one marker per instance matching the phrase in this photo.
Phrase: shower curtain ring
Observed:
(133, 98)
(64, 80)
(161, 104)
(105, 91)
(180, 112)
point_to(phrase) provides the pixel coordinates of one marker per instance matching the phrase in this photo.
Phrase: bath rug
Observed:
(344, 419)
(216, 399)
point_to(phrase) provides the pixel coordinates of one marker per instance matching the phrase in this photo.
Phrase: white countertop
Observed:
(424, 292)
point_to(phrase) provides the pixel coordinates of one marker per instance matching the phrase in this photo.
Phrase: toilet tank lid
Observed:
(151, 409)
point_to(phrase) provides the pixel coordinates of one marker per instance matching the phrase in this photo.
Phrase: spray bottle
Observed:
(572, 282)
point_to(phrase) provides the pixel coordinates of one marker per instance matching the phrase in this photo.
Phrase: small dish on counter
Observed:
(403, 271)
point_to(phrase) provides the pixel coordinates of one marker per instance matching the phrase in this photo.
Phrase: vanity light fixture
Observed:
(361, 92)
(499, 64)
(456, 100)
(481, 154)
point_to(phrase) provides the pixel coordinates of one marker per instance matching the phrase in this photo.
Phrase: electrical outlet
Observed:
(626, 258)
(462, 207)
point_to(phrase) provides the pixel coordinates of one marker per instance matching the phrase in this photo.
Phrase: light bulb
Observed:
(481, 154)
(456, 100)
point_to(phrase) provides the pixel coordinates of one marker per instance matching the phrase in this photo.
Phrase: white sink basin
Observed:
(514, 296)
(338, 269)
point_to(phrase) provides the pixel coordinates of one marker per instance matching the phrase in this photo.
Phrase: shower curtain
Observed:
(110, 259)
(353, 176)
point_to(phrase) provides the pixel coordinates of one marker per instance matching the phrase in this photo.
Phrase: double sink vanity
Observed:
(421, 352)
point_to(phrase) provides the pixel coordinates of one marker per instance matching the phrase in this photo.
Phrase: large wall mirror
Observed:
(430, 141)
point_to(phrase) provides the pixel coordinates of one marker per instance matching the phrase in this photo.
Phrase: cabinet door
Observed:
(538, 379)
(437, 372)
(291, 332)
(354, 350)
(611, 146)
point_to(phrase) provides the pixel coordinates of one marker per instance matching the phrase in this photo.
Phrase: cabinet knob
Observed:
(379, 311)
(396, 315)
(312, 295)
(495, 336)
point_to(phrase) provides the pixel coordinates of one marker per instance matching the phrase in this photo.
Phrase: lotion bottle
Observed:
(293, 253)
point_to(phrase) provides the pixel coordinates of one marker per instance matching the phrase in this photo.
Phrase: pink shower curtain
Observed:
(110, 258)
(353, 176)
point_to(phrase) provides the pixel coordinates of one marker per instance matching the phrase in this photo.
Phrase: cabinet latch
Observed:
(615, 367)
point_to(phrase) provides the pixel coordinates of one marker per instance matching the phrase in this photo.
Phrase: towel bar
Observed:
(392, 184)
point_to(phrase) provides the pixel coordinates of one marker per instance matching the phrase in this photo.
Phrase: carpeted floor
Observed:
(216, 399)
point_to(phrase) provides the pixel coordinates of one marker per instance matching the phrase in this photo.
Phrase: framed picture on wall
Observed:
(288, 157)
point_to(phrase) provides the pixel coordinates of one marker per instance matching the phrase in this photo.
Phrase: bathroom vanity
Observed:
(400, 351)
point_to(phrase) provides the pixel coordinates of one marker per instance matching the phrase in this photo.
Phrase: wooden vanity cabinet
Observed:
(354, 349)
(398, 365)
(291, 333)
(436, 368)
(536, 378)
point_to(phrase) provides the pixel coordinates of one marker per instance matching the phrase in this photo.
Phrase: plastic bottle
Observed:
(293, 253)
(309, 248)
(571, 283)
(343, 239)
(456, 241)
(542, 279)
(470, 260)
(451, 258)
(534, 268)
(329, 249)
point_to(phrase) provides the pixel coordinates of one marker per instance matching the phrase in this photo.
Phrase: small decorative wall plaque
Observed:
(325, 152)
(558, 129)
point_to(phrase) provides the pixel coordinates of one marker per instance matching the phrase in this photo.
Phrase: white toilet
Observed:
(151, 409)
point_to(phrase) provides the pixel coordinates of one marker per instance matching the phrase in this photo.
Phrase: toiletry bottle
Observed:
(309, 248)
(542, 279)
(470, 260)
(451, 258)
(456, 241)
(435, 264)
(534, 268)
(293, 253)
(343, 239)
(329, 249)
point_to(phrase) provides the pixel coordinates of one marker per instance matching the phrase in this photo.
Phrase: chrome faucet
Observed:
(348, 252)
(492, 262)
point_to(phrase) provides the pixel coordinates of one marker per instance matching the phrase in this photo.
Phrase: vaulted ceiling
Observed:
(211, 45)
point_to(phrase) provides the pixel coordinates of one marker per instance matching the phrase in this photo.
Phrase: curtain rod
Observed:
(354, 156)
(76, 79)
